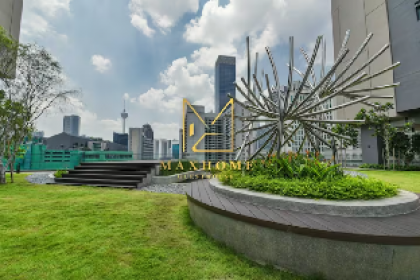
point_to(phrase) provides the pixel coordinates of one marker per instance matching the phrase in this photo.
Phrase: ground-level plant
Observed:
(59, 173)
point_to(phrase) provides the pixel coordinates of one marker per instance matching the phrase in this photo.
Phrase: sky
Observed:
(151, 54)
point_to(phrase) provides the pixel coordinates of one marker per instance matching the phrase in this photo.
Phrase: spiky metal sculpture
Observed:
(278, 115)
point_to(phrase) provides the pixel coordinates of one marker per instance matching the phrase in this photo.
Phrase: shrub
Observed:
(59, 173)
(295, 166)
(340, 188)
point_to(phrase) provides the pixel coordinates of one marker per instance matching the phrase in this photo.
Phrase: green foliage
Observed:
(397, 167)
(8, 52)
(400, 142)
(347, 130)
(343, 188)
(415, 143)
(295, 166)
(59, 173)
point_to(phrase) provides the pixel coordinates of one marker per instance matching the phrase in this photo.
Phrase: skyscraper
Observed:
(148, 131)
(140, 144)
(120, 138)
(71, 125)
(225, 75)
(10, 19)
(11, 16)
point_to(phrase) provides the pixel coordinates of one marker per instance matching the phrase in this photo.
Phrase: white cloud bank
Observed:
(37, 15)
(222, 31)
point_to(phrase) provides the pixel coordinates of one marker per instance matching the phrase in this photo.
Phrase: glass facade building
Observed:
(225, 76)
(120, 138)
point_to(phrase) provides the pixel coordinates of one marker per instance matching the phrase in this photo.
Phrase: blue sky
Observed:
(155, 52)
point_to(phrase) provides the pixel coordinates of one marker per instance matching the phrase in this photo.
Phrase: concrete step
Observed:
(125, 163)
(113, 167)
(98, 182)
(104, 171)
(108, 176)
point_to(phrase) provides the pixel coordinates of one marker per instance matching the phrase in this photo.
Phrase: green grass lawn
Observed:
(406, 180)
(57, 232)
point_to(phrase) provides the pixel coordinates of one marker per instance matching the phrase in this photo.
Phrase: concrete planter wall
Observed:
(307, 255)
(405, 202)
(177, 178)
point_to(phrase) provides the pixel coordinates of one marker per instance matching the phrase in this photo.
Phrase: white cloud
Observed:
(267, 22)
(37, 14)
(101, 63)
(126, 96)
(182, 80)
(51, 7)
(165, 130)
(164, 14)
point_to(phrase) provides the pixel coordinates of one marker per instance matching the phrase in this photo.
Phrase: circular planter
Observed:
(404, 203)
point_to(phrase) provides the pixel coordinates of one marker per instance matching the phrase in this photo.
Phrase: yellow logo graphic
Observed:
(191, 128)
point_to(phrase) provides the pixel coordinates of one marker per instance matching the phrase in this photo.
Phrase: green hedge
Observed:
(391, 167)
(344, 188)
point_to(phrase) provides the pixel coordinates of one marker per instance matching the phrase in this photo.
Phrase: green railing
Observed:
(37, 157)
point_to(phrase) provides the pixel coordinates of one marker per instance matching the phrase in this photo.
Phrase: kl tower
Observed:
(124, 115)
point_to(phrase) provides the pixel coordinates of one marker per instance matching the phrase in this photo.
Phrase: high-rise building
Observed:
(396, 23)
(221, 141)
(140, 144)
(10, 19)
(148, 131)
(11, 16)
(120, 138)
(175, 149)
(71, 125)
(162, 149)
(38, 134)
(224, 78)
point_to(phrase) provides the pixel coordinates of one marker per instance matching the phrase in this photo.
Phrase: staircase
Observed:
(128, 175)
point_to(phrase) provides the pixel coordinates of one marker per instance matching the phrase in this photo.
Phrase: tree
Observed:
(349, 131)
(401, 144)
(378, 120)
(415, 144)
(9, 49)
(39, 85)
(11, 119)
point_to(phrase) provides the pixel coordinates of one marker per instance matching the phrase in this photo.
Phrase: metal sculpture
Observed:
(309, 113)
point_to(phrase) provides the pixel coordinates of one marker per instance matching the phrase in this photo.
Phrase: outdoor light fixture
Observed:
(309, 113)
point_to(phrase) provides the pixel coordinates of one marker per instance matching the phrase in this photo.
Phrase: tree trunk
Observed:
(2, 171)
(11, 171)
(399, 158)
(345, 157)
(393, 159)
